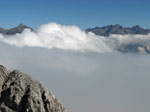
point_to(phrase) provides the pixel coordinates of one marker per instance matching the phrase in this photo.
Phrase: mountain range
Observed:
(102, 31)
(118, 29)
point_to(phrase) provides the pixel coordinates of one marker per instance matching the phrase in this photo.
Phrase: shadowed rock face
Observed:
(102, 31)
(21, 93)
(118, 29)
(12, 31)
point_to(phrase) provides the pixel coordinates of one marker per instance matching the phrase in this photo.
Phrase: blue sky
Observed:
(83, 13)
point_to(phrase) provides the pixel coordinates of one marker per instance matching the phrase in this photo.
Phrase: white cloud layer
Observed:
(85, 81)
(54, 35)
(131, 43)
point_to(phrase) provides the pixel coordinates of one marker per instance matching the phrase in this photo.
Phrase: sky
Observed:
(83, 13)
(85, 71)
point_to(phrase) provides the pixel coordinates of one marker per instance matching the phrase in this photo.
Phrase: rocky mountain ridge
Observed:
(102, 31)
(118, 29)
(12, 31)
(21, 93)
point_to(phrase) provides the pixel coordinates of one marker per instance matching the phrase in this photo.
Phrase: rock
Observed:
(102, 31)
(19, 29)
(21, 93)
(118, 29)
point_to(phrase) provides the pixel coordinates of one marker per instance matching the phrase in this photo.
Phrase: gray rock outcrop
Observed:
(21, 93)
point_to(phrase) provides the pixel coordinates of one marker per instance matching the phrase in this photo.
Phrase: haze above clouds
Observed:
(84, 70)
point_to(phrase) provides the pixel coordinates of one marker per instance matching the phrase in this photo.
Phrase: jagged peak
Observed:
(137, 26)
(20, 25)
(118, 29)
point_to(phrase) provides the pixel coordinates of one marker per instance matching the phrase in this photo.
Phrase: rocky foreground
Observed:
(21, 93)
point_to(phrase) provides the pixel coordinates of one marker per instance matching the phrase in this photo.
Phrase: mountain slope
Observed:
(14, 30)
(102, 31)
(118, 29)
(21, 93)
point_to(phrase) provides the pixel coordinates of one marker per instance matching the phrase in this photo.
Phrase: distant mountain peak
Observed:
(21, 25)
(18, 29)
(118, 29)
(102, 31)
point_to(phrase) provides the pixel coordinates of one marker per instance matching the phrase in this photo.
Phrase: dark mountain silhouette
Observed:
(118, 29)
(102, 31)
(14, 30)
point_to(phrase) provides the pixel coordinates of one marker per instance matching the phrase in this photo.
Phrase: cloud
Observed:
(86, 81)
(58, 36)
(130, 43)
(53, 35)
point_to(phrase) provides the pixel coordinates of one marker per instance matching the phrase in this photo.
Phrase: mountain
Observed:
(21, 93)
(118, 29)
(14, 30)
(102, 31)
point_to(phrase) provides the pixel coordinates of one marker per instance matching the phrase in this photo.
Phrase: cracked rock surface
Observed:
(21, 93)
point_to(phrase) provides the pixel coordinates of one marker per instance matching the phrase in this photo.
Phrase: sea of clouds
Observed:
(58, 36)
(86, 81)
(85, 71)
